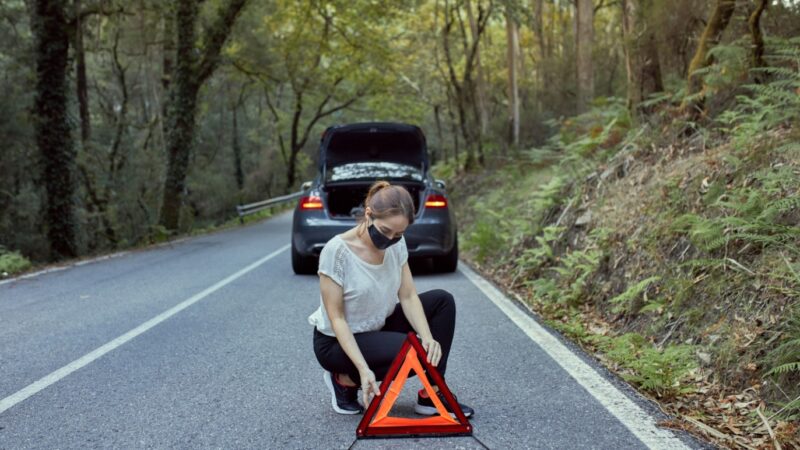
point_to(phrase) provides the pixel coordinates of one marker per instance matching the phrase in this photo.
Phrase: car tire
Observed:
(448, 262)
(303, 265)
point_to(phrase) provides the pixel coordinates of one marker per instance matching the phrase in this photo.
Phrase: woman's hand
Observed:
(433, 349)
(369, 386)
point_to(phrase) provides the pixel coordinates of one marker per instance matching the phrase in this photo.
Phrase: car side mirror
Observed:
(441, 184)
(305, 186)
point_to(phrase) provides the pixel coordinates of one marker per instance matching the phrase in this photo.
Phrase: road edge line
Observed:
(631, 415)
(81, 262)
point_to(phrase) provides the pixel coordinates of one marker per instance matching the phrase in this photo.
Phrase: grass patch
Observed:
(12, 262)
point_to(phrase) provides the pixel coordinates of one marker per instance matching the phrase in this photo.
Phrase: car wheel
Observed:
(303, 265)
(448, 262)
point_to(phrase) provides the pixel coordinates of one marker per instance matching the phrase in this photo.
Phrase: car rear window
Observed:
(373, 171)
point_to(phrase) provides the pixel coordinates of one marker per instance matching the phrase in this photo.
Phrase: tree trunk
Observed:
(453, 128)
(754, 24)
(641, 54)
(168, 62)
(237, 151)
(80, 77)
(480, 81)
(585, 37)
(51, 125)
(630, 24)
(538, 28)
(464, 89)
(542, 66)
(437, 111)
(512, 37)
(189, 74)
(181, 109)
(294, 144)
(456, 94)
(694, 105)
(651, 66)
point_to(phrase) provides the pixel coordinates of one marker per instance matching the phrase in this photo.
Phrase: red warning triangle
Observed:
(377, 422)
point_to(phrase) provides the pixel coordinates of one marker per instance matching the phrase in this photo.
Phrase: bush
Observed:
(659, 371)
(12, 262)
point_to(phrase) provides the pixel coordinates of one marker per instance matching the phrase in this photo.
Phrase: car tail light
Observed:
(311, 202)
(436, 201)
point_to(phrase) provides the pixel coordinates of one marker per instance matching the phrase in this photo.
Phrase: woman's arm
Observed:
(333, 300)
(412, 308)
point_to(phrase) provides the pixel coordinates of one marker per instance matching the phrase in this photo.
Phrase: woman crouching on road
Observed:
(369, 304)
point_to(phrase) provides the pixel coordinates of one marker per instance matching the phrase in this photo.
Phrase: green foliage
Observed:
(757, 215)
(524, 207)
(484, 239)
(571, 324)
(624, 300)
(588, 137)
(157, 234)
(445, 171)
(547, 195)
(534, 257)
(570, 278)
(574, 272)
(769, 104)
(787, 367)
(784, 361)
(785, 358)
(661, 372)
(730, 67)
(12, 262)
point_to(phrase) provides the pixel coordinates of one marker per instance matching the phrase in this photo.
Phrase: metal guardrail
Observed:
(251, 208)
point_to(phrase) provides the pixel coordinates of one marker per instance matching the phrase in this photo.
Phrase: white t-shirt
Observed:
(370, 290)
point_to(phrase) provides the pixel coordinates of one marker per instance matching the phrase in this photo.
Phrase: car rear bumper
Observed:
(425, 237)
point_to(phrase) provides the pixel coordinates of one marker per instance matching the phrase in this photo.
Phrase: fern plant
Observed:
(731, 64)
(484, 238)
(660, 372)
(570, 279)
(769, 104)
(784, 361)
(535, 257)
(750, 215)
(624, 301)
(575, 269)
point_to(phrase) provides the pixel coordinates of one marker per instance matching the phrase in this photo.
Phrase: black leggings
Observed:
(381, 347)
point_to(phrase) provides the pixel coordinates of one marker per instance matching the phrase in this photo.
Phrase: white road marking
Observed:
(641, 424)
(64, 267)
(83, 262)
(88, 358)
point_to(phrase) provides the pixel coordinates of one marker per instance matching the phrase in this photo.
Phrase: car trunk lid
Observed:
(373, 142)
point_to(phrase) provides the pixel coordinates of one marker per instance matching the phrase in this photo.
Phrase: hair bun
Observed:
(376, 186)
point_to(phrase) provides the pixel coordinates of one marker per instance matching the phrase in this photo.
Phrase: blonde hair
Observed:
(387, 200)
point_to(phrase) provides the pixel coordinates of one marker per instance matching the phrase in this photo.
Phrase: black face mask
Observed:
(379, 240)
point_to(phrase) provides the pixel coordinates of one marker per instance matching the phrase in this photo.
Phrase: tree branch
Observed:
(215, 37)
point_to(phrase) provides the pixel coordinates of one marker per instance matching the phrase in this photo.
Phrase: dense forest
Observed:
(128, 122)
(127, 119)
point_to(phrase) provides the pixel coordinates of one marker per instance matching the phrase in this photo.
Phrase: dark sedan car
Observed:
(351, 158)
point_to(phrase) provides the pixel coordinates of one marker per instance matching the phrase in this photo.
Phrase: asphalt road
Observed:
(204, 343)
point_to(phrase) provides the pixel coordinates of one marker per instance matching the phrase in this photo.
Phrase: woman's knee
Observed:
(380, 348)
(443, 297)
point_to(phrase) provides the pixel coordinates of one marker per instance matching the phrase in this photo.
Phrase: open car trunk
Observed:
(345, 199)
(373, 142)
